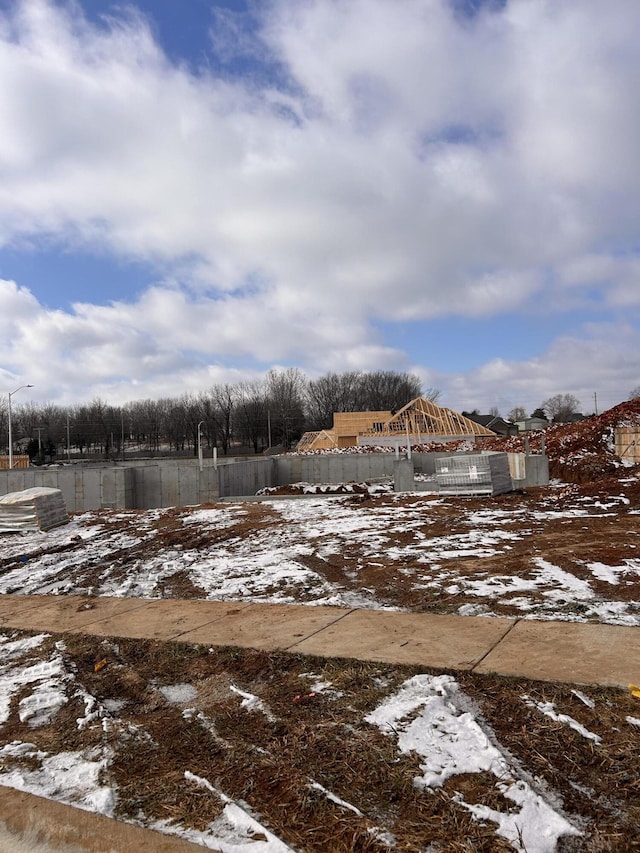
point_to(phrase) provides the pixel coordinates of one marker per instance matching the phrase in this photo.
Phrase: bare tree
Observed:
(561, 407)
(4, 421)
(210, 419)
(518, 413)
(285, 398)
(192, 415)
(334, 392)
(224, 398)
(150, 420)
(635, 394)
(251, 414)
(386, 390)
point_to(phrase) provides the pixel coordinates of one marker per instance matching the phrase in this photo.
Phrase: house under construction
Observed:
(419, 422)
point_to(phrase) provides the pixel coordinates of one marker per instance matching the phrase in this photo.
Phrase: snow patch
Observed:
(428, 717)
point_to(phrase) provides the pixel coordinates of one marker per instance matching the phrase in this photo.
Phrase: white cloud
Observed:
(602, 360)
(167, 344)
(418, 165)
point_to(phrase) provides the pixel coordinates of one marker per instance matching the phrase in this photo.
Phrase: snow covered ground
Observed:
(563, 555)
(577, 560)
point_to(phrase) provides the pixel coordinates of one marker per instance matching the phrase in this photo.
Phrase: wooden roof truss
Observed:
(422, 417)
(320, 438)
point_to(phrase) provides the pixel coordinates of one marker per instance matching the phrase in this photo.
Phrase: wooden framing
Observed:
(347, 426)
(420, 420)
(321, 440)
(421, 417)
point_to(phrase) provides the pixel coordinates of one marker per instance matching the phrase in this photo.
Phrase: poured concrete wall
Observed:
(536, 472)
(246, 478)
(120, 487)
(159, 483)
(338, 468)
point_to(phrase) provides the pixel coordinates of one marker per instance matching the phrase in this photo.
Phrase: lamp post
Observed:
(200, 446)
(11, 393)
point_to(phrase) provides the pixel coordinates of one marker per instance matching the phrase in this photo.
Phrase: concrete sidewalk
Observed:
(572, 652)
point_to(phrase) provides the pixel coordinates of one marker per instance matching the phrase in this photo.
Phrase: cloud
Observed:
(600, 359)
(171, 340)
(167, 344)
(106, 141)
(404, 162)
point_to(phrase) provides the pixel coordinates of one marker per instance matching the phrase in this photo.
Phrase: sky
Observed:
(195, 192)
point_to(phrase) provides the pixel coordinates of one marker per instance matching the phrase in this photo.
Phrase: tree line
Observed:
(559, 409)
(273, 411)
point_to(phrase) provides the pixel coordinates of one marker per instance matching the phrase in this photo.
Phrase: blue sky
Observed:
(195, 192)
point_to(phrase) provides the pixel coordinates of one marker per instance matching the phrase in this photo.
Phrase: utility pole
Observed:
(595, 401)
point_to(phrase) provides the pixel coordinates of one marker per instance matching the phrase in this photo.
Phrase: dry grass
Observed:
(269, 761)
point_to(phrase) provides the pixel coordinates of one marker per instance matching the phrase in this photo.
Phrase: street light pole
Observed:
(200, 446)
(11, 393)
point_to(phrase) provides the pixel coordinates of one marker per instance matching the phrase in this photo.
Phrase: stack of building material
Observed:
(32, 509)
(474, 474)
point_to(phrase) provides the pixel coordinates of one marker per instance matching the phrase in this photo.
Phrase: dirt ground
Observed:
(571, 528)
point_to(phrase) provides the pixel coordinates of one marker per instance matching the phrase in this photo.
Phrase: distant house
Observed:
(495, 423)
(529, 424)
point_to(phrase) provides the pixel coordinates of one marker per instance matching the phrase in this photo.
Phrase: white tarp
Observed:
(38, 508)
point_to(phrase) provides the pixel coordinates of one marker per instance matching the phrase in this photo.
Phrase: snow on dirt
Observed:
(559, 555)
(568, 552)
(71, 777)
(450, 741)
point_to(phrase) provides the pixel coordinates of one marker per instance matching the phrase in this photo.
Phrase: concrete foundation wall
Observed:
(536, 472)
(339, 468)
(118, 487)
(157, 484)
(246, 478)
(403, 474)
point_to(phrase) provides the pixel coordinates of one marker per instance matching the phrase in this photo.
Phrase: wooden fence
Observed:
(19, 461)
(628, 443)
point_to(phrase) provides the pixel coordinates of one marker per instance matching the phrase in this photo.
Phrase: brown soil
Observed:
(268, 763)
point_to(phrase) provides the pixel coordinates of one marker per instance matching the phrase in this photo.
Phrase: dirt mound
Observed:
(580, 452)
